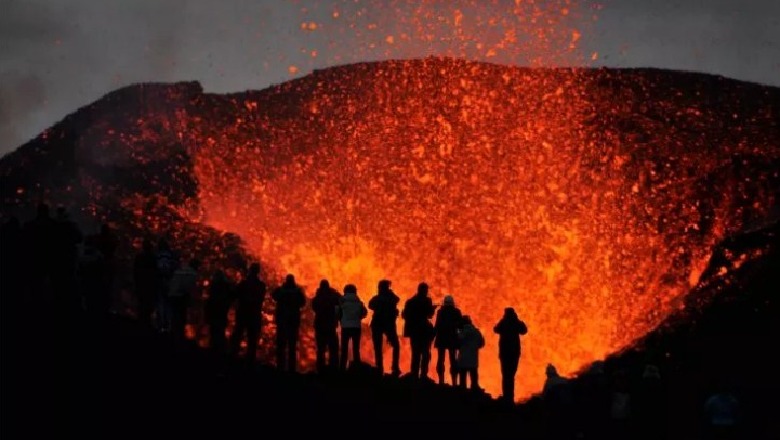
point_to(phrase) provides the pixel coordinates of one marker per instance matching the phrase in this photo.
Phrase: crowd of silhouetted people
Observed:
(49, 253)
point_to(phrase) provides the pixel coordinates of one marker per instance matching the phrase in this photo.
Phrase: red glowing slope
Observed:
(587, 199)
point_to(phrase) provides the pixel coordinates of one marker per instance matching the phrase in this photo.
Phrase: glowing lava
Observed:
(542, 189)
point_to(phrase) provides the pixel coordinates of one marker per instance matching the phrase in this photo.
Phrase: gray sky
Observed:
(57, 55)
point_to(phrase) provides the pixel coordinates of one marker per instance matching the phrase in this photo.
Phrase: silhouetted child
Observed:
(145, 280)
(385, 307)
(417, 313)
(217, 306)
(250, 294)
(325, 304)
(449, 321)
(558, 403)
(351, 311)
(93, 278)
(289, 299)
(509, 329)
(471, 341)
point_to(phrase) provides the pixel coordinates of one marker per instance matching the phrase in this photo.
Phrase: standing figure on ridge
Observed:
(183, 288)
(145, 279)
(351, 311)
(217, 307)
(325, 304)
(449, 320)
(289, 300)
(385, 307)
(250, 296)
(417, 313)
(471, 341)
(509, 329)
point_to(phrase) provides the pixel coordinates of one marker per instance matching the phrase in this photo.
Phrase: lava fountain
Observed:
(542, 189)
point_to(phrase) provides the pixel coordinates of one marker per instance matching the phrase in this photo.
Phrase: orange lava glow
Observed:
(589, 200)
(501, 186)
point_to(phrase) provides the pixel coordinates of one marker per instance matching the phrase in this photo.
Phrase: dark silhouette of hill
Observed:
(130, 158)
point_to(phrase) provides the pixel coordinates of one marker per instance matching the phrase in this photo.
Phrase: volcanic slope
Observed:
(590, 200)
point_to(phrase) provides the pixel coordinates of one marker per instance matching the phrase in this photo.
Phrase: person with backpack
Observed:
(351, 311)
(449, 321)
(289, 300)
(417, 313)
(385, 307)
(250, 294)
(509, 330)
(471, 341)
(325, 305)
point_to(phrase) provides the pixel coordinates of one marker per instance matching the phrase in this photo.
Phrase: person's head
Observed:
(350, 289)
(62, 214)
(105, 229)
(324, 285)
(219, 274)
(651, 372)
(551, 371)
(43, 210)
(289, 279)
(510, 313)
(384, 286)
(449, 301)
(254, 269)
(194, 263)
(467, 320)
(422, 289)
(147, 245)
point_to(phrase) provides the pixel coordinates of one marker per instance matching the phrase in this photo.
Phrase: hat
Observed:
(449, 300)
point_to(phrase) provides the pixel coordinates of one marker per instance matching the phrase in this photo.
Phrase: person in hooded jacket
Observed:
(325, 304)
(471, 341)
(509, 330)
(449, 321)
(417, 313)
(351, 312)
(385, 307)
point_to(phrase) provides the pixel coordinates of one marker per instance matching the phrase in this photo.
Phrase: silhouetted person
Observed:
(38, 236)
(183, 288)
(509, 329)
(385, 307)
(558, 401)
(471, 341)
(722, 414)
(289, 299)
(217, 306)
(449, 321)
(417, 313)
(325, 304)
(351, 311)
(251, 293)
(167, 263)
(145, 281)
(94, 281)
(66, 238)
(12, 263)
(650, 405)
(107, 244)
(620, 406)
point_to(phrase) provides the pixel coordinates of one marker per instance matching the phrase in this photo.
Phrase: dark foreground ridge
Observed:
(113, 378)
